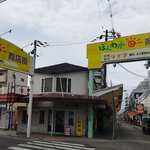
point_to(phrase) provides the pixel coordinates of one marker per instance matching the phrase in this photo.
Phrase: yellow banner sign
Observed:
(122, 49)
(12, 57)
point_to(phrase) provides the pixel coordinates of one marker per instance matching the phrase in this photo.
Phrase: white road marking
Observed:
(53, 145)
(33, 146)
(18, 148)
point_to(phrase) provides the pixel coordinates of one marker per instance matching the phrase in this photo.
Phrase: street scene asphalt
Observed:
(128, 137)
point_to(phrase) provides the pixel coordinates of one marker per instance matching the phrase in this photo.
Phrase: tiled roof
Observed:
(60, 68)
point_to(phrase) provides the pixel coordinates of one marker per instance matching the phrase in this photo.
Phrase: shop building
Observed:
(61, 104)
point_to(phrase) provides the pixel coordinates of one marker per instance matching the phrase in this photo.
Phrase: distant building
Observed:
(140, 95)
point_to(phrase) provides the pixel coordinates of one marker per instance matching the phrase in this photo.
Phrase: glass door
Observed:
(59, 121)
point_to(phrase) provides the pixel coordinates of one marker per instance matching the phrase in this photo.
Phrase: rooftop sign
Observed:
(12, 57)
(124, 49)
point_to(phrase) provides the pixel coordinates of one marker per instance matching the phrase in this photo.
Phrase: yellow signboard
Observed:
(13, 57)
(122, 49)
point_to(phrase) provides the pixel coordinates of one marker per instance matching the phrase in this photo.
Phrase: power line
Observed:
(67, 44)
(131, 72)
(55, 44)
(99, 13)
(111, 15)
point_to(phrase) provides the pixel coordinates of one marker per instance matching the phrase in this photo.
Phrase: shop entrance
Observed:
(59, 121)
(98, 121)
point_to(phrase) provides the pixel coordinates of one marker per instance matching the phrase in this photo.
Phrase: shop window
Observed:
(24, 117)
(63, 85)
(41, 117)
(46, 85)
(70, 118)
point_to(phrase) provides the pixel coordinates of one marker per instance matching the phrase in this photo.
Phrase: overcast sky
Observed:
(64, 22)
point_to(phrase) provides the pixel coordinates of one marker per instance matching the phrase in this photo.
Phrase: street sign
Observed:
(124, 49)
(12, 57)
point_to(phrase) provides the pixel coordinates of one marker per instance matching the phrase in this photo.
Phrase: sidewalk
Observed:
(106, 136)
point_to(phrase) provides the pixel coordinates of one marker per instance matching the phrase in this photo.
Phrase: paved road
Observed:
(131, 138)
(6, 141)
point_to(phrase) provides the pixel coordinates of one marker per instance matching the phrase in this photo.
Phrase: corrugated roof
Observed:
(60, 68)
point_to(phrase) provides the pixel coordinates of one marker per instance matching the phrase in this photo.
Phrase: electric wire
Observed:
(131, 72)
(99, 13)
(67, 44)
(111, 15)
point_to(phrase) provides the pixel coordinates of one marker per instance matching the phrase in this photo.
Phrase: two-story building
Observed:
(61, 104)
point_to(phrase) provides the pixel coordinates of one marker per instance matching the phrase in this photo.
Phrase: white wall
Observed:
(79, 81)
(19, 84)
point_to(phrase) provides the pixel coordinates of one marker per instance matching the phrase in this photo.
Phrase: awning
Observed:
(111, 93)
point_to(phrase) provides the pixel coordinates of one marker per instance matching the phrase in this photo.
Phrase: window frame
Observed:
(63, 84)
(44, 84)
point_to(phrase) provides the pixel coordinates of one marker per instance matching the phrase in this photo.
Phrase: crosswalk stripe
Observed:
(66, 145)
(82, 145)
(18, 148)
(33, 146)
(53, 145)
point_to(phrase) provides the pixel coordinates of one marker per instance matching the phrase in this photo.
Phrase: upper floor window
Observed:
(46, 85)
(63, 85)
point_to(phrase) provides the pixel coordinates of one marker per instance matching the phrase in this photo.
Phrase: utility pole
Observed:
(31, 93)
(112, 36)
(105, 67)
(39, 44)
(114, 118)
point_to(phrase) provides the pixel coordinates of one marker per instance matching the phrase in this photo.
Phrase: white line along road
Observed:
(53, 145)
